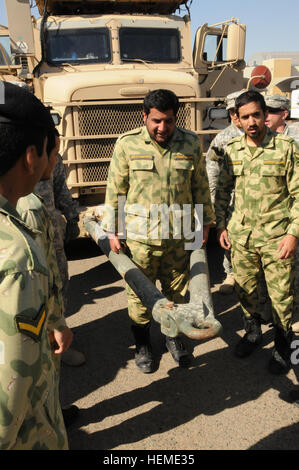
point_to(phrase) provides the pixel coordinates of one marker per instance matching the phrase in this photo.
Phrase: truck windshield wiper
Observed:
(137, 60)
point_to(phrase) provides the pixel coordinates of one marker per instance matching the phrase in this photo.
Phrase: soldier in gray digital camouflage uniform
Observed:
(30, 412)
(214, 159)
(262, 168)
(64, 215)
(158, 164)
(278, 107)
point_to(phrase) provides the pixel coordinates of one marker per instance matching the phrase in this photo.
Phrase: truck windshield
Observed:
(78, 46)
(150, 44)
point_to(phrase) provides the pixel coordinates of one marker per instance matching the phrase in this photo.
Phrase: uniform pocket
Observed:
(273, 174)
(236, 167)
(182, 172)
(142, 169)
(186, 165)
(273, 168)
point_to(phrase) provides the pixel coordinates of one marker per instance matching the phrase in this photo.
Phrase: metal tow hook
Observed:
(195, 319)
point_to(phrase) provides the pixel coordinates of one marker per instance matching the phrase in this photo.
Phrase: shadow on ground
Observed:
(286, 438)
(216, 381)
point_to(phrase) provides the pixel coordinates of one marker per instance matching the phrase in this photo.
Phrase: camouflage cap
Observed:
(231, 99)
(277, 102)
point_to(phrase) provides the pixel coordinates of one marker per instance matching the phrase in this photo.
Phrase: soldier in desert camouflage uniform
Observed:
(30, 412)
(278, 110)
(34, 213)
(64, 217)
(278, 107)
(156, 164)
(214, 159)
(263, 168)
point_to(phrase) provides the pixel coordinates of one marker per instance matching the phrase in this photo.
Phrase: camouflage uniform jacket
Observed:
(30, 414)
(215, 155)
(146, 177)
(34, 213)
(264, 185)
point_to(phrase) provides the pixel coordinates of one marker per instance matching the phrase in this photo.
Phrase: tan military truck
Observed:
(93, 61)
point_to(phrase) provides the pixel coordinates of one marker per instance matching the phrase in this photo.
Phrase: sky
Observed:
(271, 25)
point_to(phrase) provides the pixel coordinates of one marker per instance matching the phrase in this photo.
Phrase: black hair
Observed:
(249, 97)
(14, 142)
(52, 140)
(161, 99)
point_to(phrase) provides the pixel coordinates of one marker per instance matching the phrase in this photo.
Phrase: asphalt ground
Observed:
(219, 403)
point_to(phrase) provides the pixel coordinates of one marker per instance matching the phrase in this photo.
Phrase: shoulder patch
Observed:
(285, 137)
(234, 139)
(132, 132)
(32, 327)
(187, 131)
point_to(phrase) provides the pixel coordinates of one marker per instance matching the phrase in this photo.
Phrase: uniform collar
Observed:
(9, 210)
(267, 142)
(177, 135)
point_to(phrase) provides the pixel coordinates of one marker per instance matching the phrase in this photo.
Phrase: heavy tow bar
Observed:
(195, 319)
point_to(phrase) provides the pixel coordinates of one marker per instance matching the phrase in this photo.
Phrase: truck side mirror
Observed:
(236, 35)
(217, 113)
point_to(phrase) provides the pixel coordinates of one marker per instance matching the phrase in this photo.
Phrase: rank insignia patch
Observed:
(32, 327)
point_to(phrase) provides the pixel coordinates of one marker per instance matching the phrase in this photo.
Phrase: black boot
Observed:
(280, 360)
(251, 339)
(294, 396)
(143, 354)
(70, 414)
(178, 351)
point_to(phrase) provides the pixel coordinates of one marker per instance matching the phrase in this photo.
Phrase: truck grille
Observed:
(109, 120)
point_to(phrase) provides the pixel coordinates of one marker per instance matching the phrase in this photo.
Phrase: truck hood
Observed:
(116, 84)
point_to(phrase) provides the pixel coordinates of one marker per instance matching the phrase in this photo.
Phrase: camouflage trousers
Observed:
(169, 263)
(279, 276)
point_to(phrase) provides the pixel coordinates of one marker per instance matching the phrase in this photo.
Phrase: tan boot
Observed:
(71, 357)
(228, 284)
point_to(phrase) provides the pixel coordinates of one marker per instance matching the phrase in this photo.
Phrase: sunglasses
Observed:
(274, 110)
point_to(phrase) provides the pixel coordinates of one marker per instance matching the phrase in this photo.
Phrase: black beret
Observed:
(19, 106)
